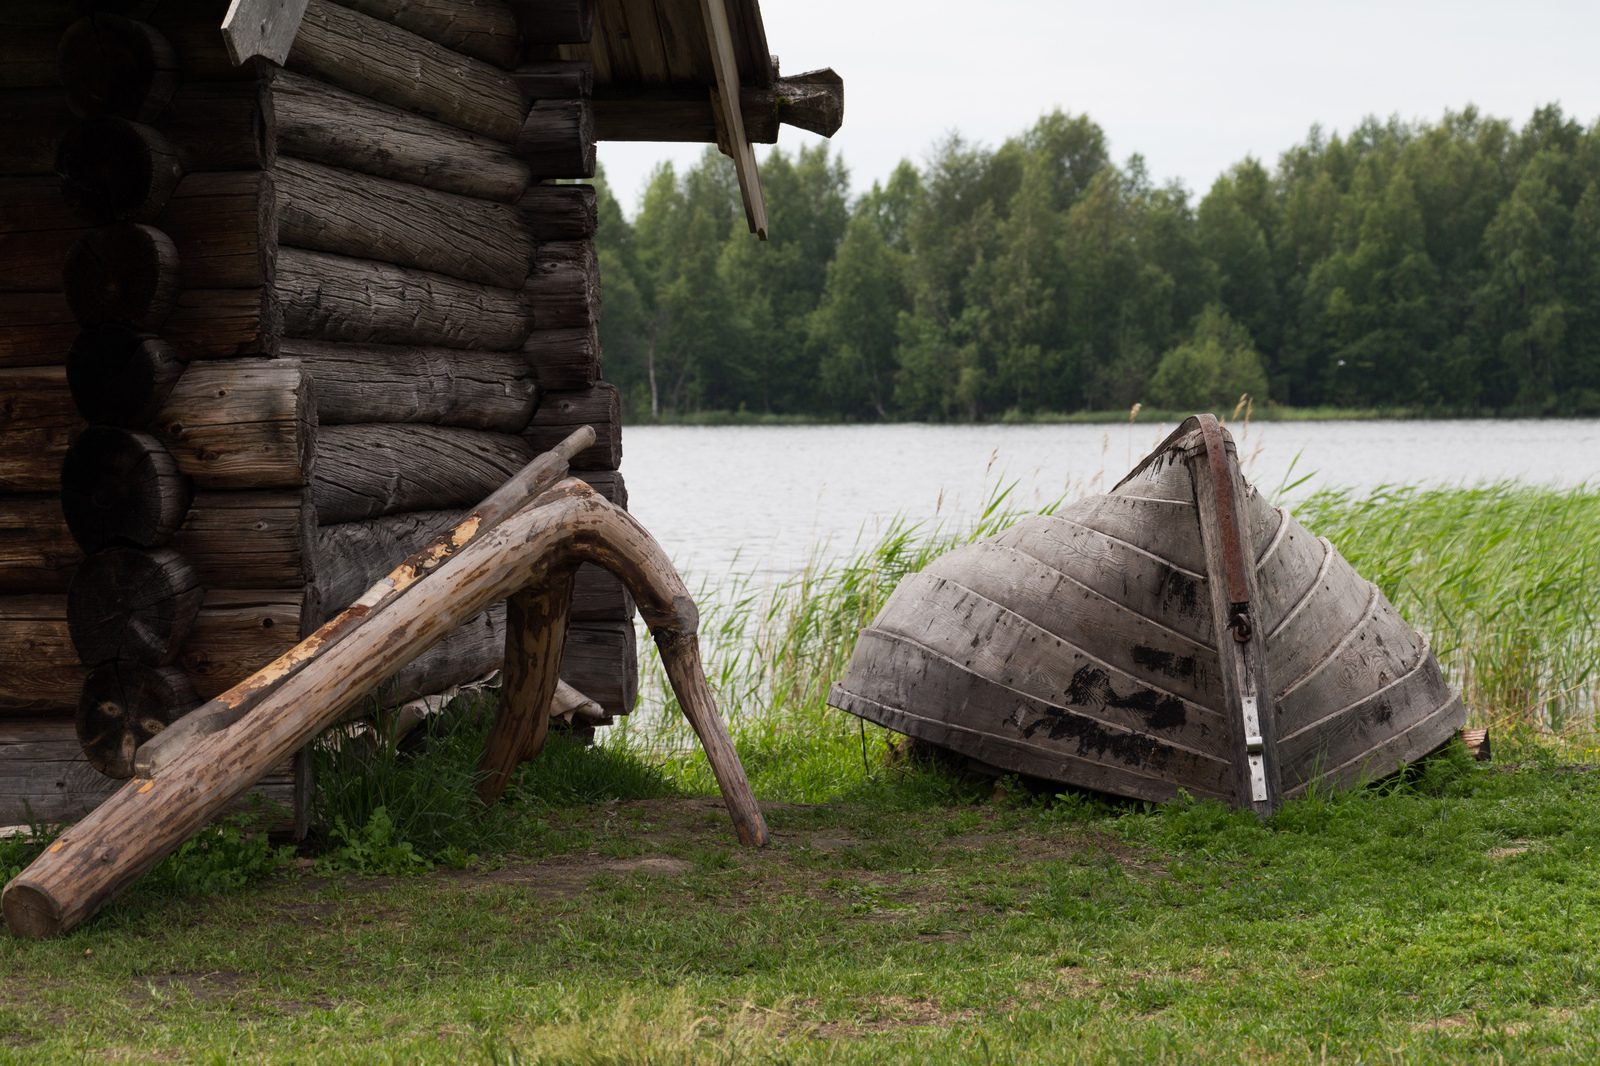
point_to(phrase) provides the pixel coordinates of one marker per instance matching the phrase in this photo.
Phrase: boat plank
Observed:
(1379, 651)
(1165, 528)
(1324, 618)
(1287, 572)
(1405, 747)
(1264, 520)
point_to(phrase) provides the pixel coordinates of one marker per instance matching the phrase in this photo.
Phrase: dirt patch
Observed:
(1515, 847)
(884, 1014)
(215, 988)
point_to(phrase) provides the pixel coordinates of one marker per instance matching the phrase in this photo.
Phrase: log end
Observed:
(30, 912)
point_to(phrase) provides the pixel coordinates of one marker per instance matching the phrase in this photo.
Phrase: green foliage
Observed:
(374, 848)
(221, 858)
(1213, 370)
(569, 772)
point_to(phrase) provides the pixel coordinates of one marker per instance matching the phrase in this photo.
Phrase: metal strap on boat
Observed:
(1232, 539)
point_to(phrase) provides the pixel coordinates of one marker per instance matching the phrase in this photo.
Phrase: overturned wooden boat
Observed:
(1178, 632)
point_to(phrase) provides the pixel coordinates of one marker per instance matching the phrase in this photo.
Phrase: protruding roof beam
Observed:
(730, 126)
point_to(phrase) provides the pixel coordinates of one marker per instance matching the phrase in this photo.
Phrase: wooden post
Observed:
(536, 633)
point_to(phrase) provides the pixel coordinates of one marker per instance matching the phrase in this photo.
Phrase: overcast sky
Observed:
(1194, 87)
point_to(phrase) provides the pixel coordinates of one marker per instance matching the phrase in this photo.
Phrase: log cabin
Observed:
(285, 285)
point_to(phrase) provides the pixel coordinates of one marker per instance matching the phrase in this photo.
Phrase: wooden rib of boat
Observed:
(1178, 632)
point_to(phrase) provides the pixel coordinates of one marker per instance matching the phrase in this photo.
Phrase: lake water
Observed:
(761, 498)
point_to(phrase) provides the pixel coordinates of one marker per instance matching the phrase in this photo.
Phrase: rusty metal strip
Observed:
(1232, 538)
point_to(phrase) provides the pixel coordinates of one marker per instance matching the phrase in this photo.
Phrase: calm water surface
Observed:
(762, 498)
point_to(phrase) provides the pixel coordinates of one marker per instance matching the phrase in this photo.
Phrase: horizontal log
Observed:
(371, 470)
(224, 227)
(602, 662)
(118, 486)
(35, 203)
(113, 65)
(125, 272)
(564, 358)
(115, 169)
(250, 540)
(563, 290)
(560, 212)
(555, 21)
(329, 125)
(125, 704)
(558, 139)
(32, 261)
(29, 35)
(132, 603)
(222, 126)
(472, 651)
(119, 376)
(336, 298)
(223, 323)
(393, 65)
(329, 209)
(39, 668)
(555, 79)
(608, 483)
(813, 101)
(357, 383)
(482, 29)
(241, 423)
(35, 121)
(598, 596)
(36, 329)
(560, 413)
(352, 556)
(38, 422)
(37, 552)
(237, 632)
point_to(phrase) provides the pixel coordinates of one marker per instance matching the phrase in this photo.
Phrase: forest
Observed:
(1448, 267)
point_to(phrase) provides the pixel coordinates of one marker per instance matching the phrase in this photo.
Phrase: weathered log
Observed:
(470, 652)
(222, 126)
(563, 290)
(813, 101)
(37, 552)
(383, 61)
(536, 634)
(555, 79)
(560, 413)
(602, 662)
(560, 212)
(598, 596)
(224, 226)
(336, 298)
(114, 169)
(37, 424)
(117, 485)
(238, 631)
(482, 29)
(223, 323)
(250, 540)
(370, 470)
(112, 65)
(29, 34)
(352, 556)
(132, 603)
(564, 359)
(125, 272)
(333, 210)
(608, 483)
(36, 328)
(241, 423)
(39, 668)
(125, 704)
(331, 125)
(31, 260)
(35, 203)
(555, 21)
(558, 140)
(443, 386)
(120, 376)
(35, 120)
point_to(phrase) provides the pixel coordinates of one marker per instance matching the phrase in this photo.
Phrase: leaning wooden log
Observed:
(38, 423)
(482, 29)
(563, 359)
(250, 540)
(555, 21)
(395, 383)
(601, 660)
(113, 65)
(330, 125)
(241, 423)
(560, 212)
(100, 856)
(352, 556)
(134, 604)
(121, 486)
(224, 226)
(560, 413)
(564, 287)
(333, 210)
(383, 61)
(125, 272)
(123, 705)
(37, 552)
(471, 652)
(115, 169)
(558, 139)
(224, 323)
(35, 120)
(555, 79)
(40, 672)
(370, 470)
(336, 298)
(119, 376)
(39, 329)
(536, 634)
(237, 631)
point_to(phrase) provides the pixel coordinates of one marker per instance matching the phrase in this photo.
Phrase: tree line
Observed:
(1450, 266)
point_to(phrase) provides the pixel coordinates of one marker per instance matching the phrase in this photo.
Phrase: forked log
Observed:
(536, 633)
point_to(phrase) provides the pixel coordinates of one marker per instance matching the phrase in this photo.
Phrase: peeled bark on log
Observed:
(597, 596)
(344, 129)
(602, 662)
(38, 422)
(564, 359)
(557, 139)
(555, 79)
(560, 413)
(555, 21)
(134, 604)
(36, 329)
(358, 383)
(119, 376)
(39, 668)
(125, 704)
(563, 291)
(224, 323)
(536, 634)
(560, 212)
(224, 226)
(482, 29)
(37, 552)
(371, 470)
(117, 485)
(222, 126)
(125, 272)
(332, 210)
(115, 66)
(237, 632)
(473, 650)
(335, 298)
(250, 540)
(114, 169)
(352, 556)
(35, 120)
(241, 423)
(371, 57)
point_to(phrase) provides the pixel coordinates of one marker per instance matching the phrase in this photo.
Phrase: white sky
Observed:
(1194, 87)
